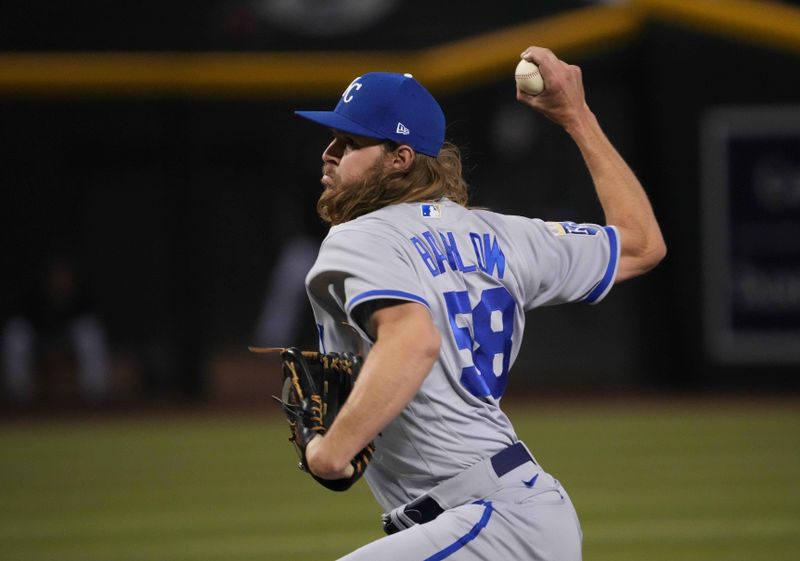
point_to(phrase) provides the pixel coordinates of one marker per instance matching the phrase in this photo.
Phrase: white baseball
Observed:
(528, 78)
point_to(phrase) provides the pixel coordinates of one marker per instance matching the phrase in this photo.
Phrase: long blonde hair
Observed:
(427, 179)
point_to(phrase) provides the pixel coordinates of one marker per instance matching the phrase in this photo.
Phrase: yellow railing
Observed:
(444, 68)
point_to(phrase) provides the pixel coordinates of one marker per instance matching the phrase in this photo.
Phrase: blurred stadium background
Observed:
(158, 189)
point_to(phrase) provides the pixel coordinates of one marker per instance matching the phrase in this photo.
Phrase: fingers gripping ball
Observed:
(528, 77)
(315, 387)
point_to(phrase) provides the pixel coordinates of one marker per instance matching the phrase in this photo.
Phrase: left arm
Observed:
(406, 348)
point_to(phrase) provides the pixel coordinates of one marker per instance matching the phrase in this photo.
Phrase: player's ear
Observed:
(402, 157)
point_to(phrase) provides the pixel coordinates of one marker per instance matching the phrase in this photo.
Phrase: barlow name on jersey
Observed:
(489, 257)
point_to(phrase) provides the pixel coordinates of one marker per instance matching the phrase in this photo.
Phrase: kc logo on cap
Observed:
(387, 106)
(354, 85)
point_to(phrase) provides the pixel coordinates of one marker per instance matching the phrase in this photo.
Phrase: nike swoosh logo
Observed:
(532, 481)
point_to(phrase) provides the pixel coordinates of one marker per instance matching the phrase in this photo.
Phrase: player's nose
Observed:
(332, 153)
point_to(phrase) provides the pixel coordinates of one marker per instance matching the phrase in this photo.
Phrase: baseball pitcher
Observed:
(432, 295)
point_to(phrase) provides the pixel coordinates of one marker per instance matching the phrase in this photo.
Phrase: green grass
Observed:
(658, 481)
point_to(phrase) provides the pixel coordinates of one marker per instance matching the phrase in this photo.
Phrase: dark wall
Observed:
(178, 208)
(229, 25)
(175, 210)
(688, 75)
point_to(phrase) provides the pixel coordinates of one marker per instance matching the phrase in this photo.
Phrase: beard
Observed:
(342, 201)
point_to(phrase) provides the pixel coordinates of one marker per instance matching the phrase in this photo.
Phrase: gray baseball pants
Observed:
(528, 516)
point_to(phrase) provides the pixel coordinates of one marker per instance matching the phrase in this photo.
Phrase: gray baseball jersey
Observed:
(477, 272)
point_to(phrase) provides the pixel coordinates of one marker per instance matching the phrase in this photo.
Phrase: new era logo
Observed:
(402, 129)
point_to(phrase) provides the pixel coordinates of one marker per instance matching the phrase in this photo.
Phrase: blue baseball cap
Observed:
(388, 106)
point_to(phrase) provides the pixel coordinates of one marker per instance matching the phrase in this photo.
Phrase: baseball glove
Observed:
(315, 387)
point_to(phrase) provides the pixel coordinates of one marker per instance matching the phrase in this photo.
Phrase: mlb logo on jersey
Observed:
(431, 210)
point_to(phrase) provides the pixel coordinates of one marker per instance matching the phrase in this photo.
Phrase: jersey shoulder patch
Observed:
(566, 228)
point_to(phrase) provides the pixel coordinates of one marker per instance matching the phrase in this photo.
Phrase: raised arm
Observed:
(622, 197)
